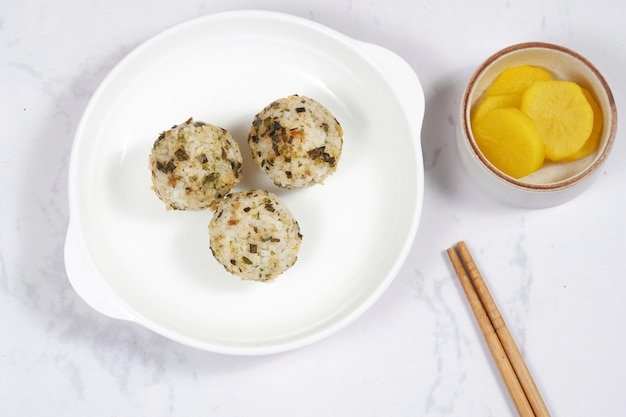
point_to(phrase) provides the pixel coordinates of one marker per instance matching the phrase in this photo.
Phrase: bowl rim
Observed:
(554, 186)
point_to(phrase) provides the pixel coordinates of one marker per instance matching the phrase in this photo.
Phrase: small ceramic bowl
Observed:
(554, 183)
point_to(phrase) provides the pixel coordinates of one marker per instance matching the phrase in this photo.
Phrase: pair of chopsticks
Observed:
(509, 361)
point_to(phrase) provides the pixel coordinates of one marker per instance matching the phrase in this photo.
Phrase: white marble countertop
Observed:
(557, 273)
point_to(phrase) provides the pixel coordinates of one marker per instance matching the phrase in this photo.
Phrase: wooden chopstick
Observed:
(514, 372)
(501, 329)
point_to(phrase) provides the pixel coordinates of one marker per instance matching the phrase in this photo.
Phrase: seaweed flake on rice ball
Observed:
(194, 165)
(254, 235)
(296, 141)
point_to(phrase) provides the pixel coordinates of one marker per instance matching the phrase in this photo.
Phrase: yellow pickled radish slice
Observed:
(591, 143)
(496, 102)
(510, 140)
(515, 80)
(562, 114)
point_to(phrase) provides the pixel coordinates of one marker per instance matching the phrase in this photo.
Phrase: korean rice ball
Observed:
(194, 165)
(254, 235)
(296, 141)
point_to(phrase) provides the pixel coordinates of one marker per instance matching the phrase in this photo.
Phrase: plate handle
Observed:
(82, 276)
(402, 79)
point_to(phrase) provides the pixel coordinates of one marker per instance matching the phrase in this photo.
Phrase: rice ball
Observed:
(254, 235)
(194, 164)
(296, 141)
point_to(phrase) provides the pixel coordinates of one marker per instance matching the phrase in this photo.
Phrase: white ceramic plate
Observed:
(131, 259)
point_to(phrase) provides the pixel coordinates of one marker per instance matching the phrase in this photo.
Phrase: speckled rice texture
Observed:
(254, 235)
(296, 141)
(194, 165)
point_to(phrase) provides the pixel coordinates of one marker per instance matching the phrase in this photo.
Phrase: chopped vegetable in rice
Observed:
(296, 141)
(254, 235)
(194, 165)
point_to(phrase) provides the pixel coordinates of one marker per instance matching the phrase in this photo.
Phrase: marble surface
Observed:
(557, 273)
